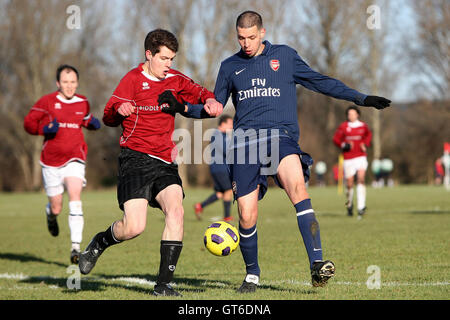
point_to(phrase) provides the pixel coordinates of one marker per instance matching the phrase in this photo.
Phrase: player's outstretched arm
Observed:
(335, 88)
(376, 102)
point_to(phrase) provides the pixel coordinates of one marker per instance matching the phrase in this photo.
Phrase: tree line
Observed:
(332, 36)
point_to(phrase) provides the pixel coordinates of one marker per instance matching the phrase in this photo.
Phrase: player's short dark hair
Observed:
(224, 118)
(352, 107)
(63, 67)
(248, 19)
(159, 37)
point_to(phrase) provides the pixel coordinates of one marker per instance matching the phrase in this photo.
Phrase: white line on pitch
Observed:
(142, 281)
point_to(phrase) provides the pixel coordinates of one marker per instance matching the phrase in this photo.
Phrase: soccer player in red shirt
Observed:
(353, 137)
(60, 117)
(148, 175)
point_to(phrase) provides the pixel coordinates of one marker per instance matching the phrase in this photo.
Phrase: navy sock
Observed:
(249, 249)
(309, 228)
(210, 200)
(226, 208)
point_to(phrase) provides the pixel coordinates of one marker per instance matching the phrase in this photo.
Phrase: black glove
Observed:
(376, 102)
(346, 147)
(175, 106)
(51, 128)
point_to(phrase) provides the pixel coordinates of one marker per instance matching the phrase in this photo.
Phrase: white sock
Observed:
(361, 194)
(76, 223)
(349, 197)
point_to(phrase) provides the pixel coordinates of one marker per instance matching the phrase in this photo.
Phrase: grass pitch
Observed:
(405, 235)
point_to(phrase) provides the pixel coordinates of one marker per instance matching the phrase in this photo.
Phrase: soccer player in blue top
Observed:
(262, 79)
(219, 170)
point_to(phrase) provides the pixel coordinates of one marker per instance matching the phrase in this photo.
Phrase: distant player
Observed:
(60, 117)
(144, 104)
(219, 170)
(439, 171)
(261, 79)
(353, 137)
(320, 169)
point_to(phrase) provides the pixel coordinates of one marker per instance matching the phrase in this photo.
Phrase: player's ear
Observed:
(262, 32)
(148, 54)
(58, 85)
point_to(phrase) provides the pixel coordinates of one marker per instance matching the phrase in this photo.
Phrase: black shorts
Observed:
(141, 176)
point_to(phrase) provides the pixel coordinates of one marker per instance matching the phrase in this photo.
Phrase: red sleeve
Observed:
(339, 135)
(192, 92)
(123, 93)
(37, 117)
(367, 139)
(87, 115)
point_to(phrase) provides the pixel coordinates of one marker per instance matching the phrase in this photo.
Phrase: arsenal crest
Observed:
(275, 64)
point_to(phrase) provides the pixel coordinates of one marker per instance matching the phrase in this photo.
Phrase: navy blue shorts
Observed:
(248, 175)
(222, 180)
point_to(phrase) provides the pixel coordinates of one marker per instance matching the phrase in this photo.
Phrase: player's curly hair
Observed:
(160, 37)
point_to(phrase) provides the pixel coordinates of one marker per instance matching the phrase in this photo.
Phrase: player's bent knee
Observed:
(248, 218)
(56, 209)
(134, 231)
(176, 213)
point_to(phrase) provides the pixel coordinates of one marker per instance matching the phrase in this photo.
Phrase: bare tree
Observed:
(28, 55)
(430, 50)
(327, 35)
(379, 72)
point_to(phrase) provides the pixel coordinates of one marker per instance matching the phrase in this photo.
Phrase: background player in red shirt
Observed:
(148, 175)
(59, 117)
(353, 137)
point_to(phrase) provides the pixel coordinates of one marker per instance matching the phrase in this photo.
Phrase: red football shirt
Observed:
(68, 144)
(353, 133)
(148, 129)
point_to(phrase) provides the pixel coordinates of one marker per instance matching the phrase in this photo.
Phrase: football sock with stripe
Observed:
(209, 200)
(226, 208)
(249, 249)
(309, 229)
(170, 252)
(76, 223)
